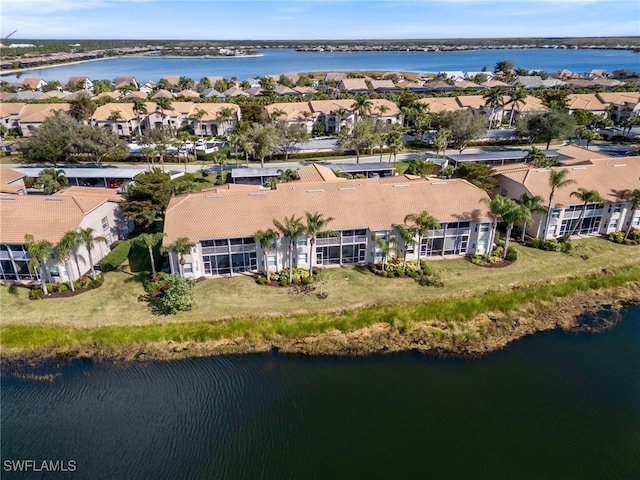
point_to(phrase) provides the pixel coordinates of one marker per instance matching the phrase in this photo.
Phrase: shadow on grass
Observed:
(139, 260)
(138, 277)
(362, 270)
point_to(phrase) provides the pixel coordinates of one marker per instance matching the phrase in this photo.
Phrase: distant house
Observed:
(495, 84)
(235, 92)
(414, 87)
(335, 76)
(438, 86)
(623, 105)
(455, 75)
(9, 114)
(171, 80)
(440, 104)
(148, 87)
(12, 182)
(353, 85)
(212, 122)
(254, 91)
(382, 86)
(121, 82)
(80, 83)
(305, 90)
(32, 115)
(188, 94)
(117, 117)
(294, 113)
(162, 94)
(283, 91)
(49, 217)
(467, 85)
(585, 101)
(535, 81)
(34, 83)
(253, 82)
(212, 93)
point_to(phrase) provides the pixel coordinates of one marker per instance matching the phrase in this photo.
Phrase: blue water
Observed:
(280, 61)
(551, 406)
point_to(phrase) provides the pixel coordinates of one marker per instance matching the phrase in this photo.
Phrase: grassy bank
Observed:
(237, 307)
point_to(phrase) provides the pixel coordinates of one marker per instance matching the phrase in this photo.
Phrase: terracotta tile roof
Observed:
(440, 104)
(585, 101)
(103, 112)
(382, 84)
(282, 90)
(292, 110)
(305, 90)
(172, 79)
(466, 84)
(136, 94)
(188, 94)
(349, 84)
(162, 94)
(575, 155)
(10, 109)
(352, 203)
(8, 175)
(212, 110)
(607, 176)
(55, 94)
(495, 84)
(90, 192)
(317, 173)
(471, 101)
(619, 98)
(329, 106)
(115, 95)
(38, 112)
(31, 82)
(392, 108)
(43, 216)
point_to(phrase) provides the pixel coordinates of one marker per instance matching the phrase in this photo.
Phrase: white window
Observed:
(302, 258)
(105, 224)
(553, 229)
(635, 222)
(301, 241)
(108, 239)
(555, 214)
(271, 260)
(187, 268)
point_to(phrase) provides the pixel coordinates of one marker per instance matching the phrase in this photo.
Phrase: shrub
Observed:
(512, 254)
(36, 293)
(177, 296)
(284, 281)
(156, 283)
(306, 280)
(261, 280)
(119, 252)
(13, 289)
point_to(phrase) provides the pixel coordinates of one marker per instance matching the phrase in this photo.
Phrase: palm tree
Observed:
(441, 140)
(532, 204)
(497, 206)
(557, 180)
(586, 197)
(51, 180)
(590, 136)
(494, 98)
(634, 197)
(197, 116)
(385, 245)
(290, 229)
(315, 224)
(518, 98)
(513, 213)
(67, 247)
(115, 116)
(181, 247)
(265, 238)
(87, 238)
(276, 114)
(139, 106)
(394, 141)
(408, 237)
(340, 113)
(39, 251)
(362, 106)
(424, 223)
(225, 115)
(149, 240)
(535, 156)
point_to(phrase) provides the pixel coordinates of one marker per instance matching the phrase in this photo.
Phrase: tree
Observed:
(479, 174)
(632, 196)
(464, 127)
(424, 223)
(586, 197)
(265, 238)
(362, 106)
(385, 245)
(381, 133)
(224, 116)
(39, 252)
(504, 67)
(239, 139)
(288, 136)
(441, 140)
(395, 141)
(420, 167)
(50, 142)
(407, 235)
(148, 197)
(181, 247)
(497, 207)
(185, 83)
(149, 241)
(518, 98)
(557, 179)
(340, 114)
(67, 247)
(532, 204)
(555, 99)
(177, 296)
(101, 145)
(290, 229)
(494, 98)
(82, 107)
(316, 223)
(197, 117)
(590, 136)
(537, 158)
(262, 141)
(139, 107)
(513, 213)
(51, 180)
(88, 239)
(544, 127)
(357, 136)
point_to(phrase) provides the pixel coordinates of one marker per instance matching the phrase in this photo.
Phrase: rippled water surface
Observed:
(276, 62)
(553, 405)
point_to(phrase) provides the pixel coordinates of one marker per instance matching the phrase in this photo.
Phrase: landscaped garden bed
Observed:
(63, 289)
(417, 270)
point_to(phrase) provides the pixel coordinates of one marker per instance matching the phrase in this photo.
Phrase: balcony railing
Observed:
(214, 250)
(589, 213)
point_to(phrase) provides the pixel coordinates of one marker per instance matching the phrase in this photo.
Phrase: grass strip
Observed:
(400, 316)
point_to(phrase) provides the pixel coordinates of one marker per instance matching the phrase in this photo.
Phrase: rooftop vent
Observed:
(257, 194)
(438, 183)
(214, 196)
(617, 165)
(54, 199)
(401, 185)
(345, 189)
(316, 190)
(579, 168)
(543, 170)
(7, 198)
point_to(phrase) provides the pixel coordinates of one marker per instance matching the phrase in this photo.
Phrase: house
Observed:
(34, 83)
(9, 114)
(80, 83)
(440, 104)
(170, 81)
(382, 86)
(414, 87)
(283, 91)
(585, 101)
(438, 86)
(294, 113)
(148, 87)
(234, 92)
(222, 226)
(216, 119)
(333, 114)
(467, 85)
(455, 75)
(353, 85)
(188, 94)
(162, 93)
(495, 84)
(305, 90)
(12, 182)
(535, 81)
(622, 105)
(121, 118)
(331, 77)
(126, 81)
(136, 94)
(608, 176)
(253, 82)
(571, 155)
(212, 93)
(32, 115)
(254, 91)
(48, 217)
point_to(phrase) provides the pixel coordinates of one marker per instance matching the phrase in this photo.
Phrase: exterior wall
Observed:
(123, 128)
(618, 216)
(355, 246)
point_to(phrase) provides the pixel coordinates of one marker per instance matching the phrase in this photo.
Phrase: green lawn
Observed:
(116, 302)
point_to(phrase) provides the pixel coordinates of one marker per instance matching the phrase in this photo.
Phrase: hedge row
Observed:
(119, 252)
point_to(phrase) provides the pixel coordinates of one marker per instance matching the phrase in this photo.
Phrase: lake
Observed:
(277, 61)
(553, 405)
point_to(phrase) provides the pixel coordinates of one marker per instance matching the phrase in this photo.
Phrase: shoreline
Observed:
(486, 332)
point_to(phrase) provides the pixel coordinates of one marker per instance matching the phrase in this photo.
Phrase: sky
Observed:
(316, 19)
